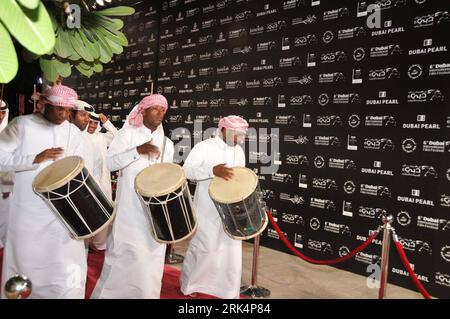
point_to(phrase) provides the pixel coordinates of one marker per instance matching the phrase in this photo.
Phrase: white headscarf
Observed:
(4, 123)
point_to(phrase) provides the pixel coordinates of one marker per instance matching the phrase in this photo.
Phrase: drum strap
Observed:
(163, 149)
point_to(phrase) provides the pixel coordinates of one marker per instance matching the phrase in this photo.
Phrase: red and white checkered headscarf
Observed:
(58, 95)
(136, 117)
(234, 123)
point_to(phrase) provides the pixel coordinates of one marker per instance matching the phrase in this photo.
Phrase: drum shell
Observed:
(244, 219)
(172, 217)
(93, 210)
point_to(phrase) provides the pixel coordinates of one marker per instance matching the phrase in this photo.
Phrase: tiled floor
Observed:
(297, 279)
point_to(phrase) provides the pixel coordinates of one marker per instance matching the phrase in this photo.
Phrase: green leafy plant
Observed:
(86, 48)
(28, 22)
(41, 27)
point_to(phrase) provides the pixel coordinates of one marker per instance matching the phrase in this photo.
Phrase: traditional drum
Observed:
(164, 193)
(239, 203)
(74, 196)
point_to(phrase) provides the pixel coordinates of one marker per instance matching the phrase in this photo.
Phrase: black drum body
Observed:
(172, 216)
(81, 205)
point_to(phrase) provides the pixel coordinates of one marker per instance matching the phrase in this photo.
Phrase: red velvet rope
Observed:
(315, 261)
(411, 272)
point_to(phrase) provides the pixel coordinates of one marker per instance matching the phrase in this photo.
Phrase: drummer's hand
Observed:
(148, 148)
(222, 171)
(103, 118)
(48, 154)
(5, 195)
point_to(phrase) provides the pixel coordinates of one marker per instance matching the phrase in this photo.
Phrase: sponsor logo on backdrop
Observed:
(436, 146)
(388, 31)
(439, 69)
(419, 171)
(409, 145)
(385, 50)
(325, 204)
(377, 170)
(294, 199)
(354, 120)
(306, 20)
(323, 99)
(404, 218)
(379, 144)
(349, 187)
(442, 279)
(445, 253)
(319, 161)
(336, 14)
(299, 140)
(292, 219)
(422, 96)
(415, 199)
(320, 246)
(327, 141)
(297, 159)
(346, 98)
(337, 228)
(324, 183)
(367, 258)
(436, 18)
(272, 233)
(433, 223)
(404, 273)
(384, 74)
(347, 209)
(428, 48)
(417, 246)
(382, 99)
(314, 223)
(341, 163)
(371, 212)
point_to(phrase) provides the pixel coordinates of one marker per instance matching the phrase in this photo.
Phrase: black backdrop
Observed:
(361, 115)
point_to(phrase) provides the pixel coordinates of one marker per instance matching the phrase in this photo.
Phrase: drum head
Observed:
(242, 185)
(58, 174)
(159, 179)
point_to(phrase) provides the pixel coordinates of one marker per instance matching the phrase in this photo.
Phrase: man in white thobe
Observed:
(213, 262)
(37, 244)
(101, 142)
(93, 161)
(80, 117)
(134, 261)
(6, 182)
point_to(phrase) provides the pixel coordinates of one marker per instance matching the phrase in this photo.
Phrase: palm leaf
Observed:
(8, 58)
(117, 11)
(32, 28)
(30, 4)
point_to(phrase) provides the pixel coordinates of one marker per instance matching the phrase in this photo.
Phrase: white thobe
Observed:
(101, 142)
(134, 261)
(93, 162)
(6, 186)
(213, 261)
(38, 245)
